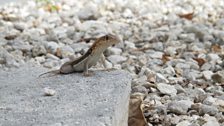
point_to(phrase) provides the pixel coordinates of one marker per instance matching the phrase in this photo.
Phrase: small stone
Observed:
(171, 51)
(198, 29)
(155, 54)
(88, 12)
(184, 123)
(206, 66)
(210, 121)
(212, 57)
(115, 59)
(52, 47)
(206, 109)
(66, 51)
(129, 45)
(12, 34)
(38, 50)
(113, 51)
(179, 107)
(179, 88)
(60, 32)
(140, 89)
(51, 64)
(218, 77)
(169, 70)
(51, 56)
(209, 100)
(160, 78)
(167, 89)
(40, 59)
(207, 74)
(49, 92)
(127, 13)
(78, 47)
(158, 46)
(20, 26)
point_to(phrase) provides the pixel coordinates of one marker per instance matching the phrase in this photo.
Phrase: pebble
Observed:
(115, 59)
(180, 107)
(49, 92)
(184, 123)
(167, 89)
(52, 47)
(210, 121)
(38, 50)
(218, 77)
(207, 109)
(65, 51)
(113, 51)
(207, 75)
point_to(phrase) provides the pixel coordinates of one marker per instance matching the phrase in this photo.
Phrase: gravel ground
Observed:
(173, 49)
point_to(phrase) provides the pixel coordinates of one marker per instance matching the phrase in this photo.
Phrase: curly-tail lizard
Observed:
(90, 58)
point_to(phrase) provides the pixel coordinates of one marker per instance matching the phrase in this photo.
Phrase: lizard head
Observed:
(110, 39)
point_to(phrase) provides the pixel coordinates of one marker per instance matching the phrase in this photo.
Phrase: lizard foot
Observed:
(88, 74)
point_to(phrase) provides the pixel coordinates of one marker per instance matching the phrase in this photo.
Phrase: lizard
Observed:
(90, 58)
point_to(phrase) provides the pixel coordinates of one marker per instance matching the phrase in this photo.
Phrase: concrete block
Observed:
(98, 100)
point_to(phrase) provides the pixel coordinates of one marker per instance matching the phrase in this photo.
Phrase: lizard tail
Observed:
(54, 72)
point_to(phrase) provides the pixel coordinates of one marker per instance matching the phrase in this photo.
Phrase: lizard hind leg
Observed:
(66, 68)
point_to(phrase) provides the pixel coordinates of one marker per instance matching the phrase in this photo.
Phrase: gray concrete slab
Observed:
(99, 100)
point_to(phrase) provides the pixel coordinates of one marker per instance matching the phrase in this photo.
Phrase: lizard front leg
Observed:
(103, 61)
(86, 71)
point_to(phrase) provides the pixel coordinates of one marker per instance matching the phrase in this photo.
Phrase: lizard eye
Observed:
(107, 37)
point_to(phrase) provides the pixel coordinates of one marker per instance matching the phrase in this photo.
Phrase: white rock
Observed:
(114, 51)
(169, 70)
(66, 51)
(180, 107)
(171, 51)
(184, 123)
(218, 77)
(167, 89)
(38, 50)
(213, 57)
(155, 54)
(115, 59)
(210, 121)
(49, 92)
(209, 100)
(89, 11)
(129, 45)
(207, 74)
(52, 47)
(160, 78)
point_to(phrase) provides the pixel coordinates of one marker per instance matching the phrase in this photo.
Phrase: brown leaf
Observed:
(151, 78)
(216, 48)
(165, 58)
(51, 7)
(200, 61)
(187, 16)
(58, 52)
(136, 117)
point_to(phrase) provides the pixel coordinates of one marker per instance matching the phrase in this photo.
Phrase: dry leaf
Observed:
(165, 58)
(187, 16)
(58, 52)
(216, 48)
(51, 8)
(200, 61)
(151, 78)
(136, 117)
